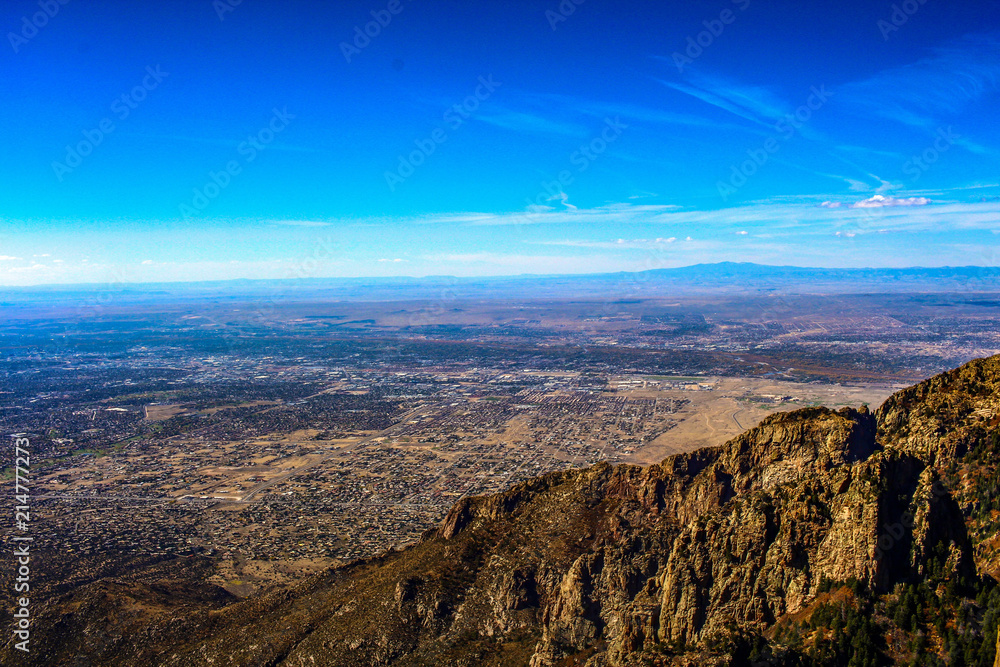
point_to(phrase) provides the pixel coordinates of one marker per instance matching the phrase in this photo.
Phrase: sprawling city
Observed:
(276, 449)
(542, 333)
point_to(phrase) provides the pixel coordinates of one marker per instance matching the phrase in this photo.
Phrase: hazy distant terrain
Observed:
(722, 279)
(548, 333)
(268, 438)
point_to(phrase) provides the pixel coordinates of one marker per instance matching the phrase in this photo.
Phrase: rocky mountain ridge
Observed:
(817, 537)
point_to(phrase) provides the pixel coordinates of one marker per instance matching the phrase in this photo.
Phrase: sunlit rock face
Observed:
(618, 566)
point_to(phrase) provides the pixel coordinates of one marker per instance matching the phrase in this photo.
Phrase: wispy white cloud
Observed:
(535, 214)
(27, 269)
(879, 201)
(924, 93)
(616, 244)
(523, 121)
(867, 151)
(760, 105)
(754, 103)
(613, 237)
(573, 116)
(563, 198)
(228, 143)
(803, 214)
(509, 263)
(299, 223)
(718, 100)
(651, 116)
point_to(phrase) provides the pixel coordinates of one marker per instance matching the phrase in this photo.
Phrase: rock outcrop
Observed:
(677, 563)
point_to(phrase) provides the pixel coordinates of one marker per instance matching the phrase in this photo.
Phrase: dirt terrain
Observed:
(732, 405)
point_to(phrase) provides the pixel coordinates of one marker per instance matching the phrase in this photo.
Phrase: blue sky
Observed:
(209, 140)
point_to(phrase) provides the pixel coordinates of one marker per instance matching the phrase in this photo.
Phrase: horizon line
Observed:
(472, 279)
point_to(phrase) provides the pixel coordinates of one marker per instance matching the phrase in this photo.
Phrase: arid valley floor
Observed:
(321, 432)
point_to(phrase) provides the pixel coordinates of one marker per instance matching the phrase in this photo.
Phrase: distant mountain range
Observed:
(700, 279)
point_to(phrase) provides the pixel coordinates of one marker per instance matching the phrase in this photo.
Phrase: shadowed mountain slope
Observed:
(817, 537)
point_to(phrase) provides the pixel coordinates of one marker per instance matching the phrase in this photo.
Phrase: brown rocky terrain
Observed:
(817, 537)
